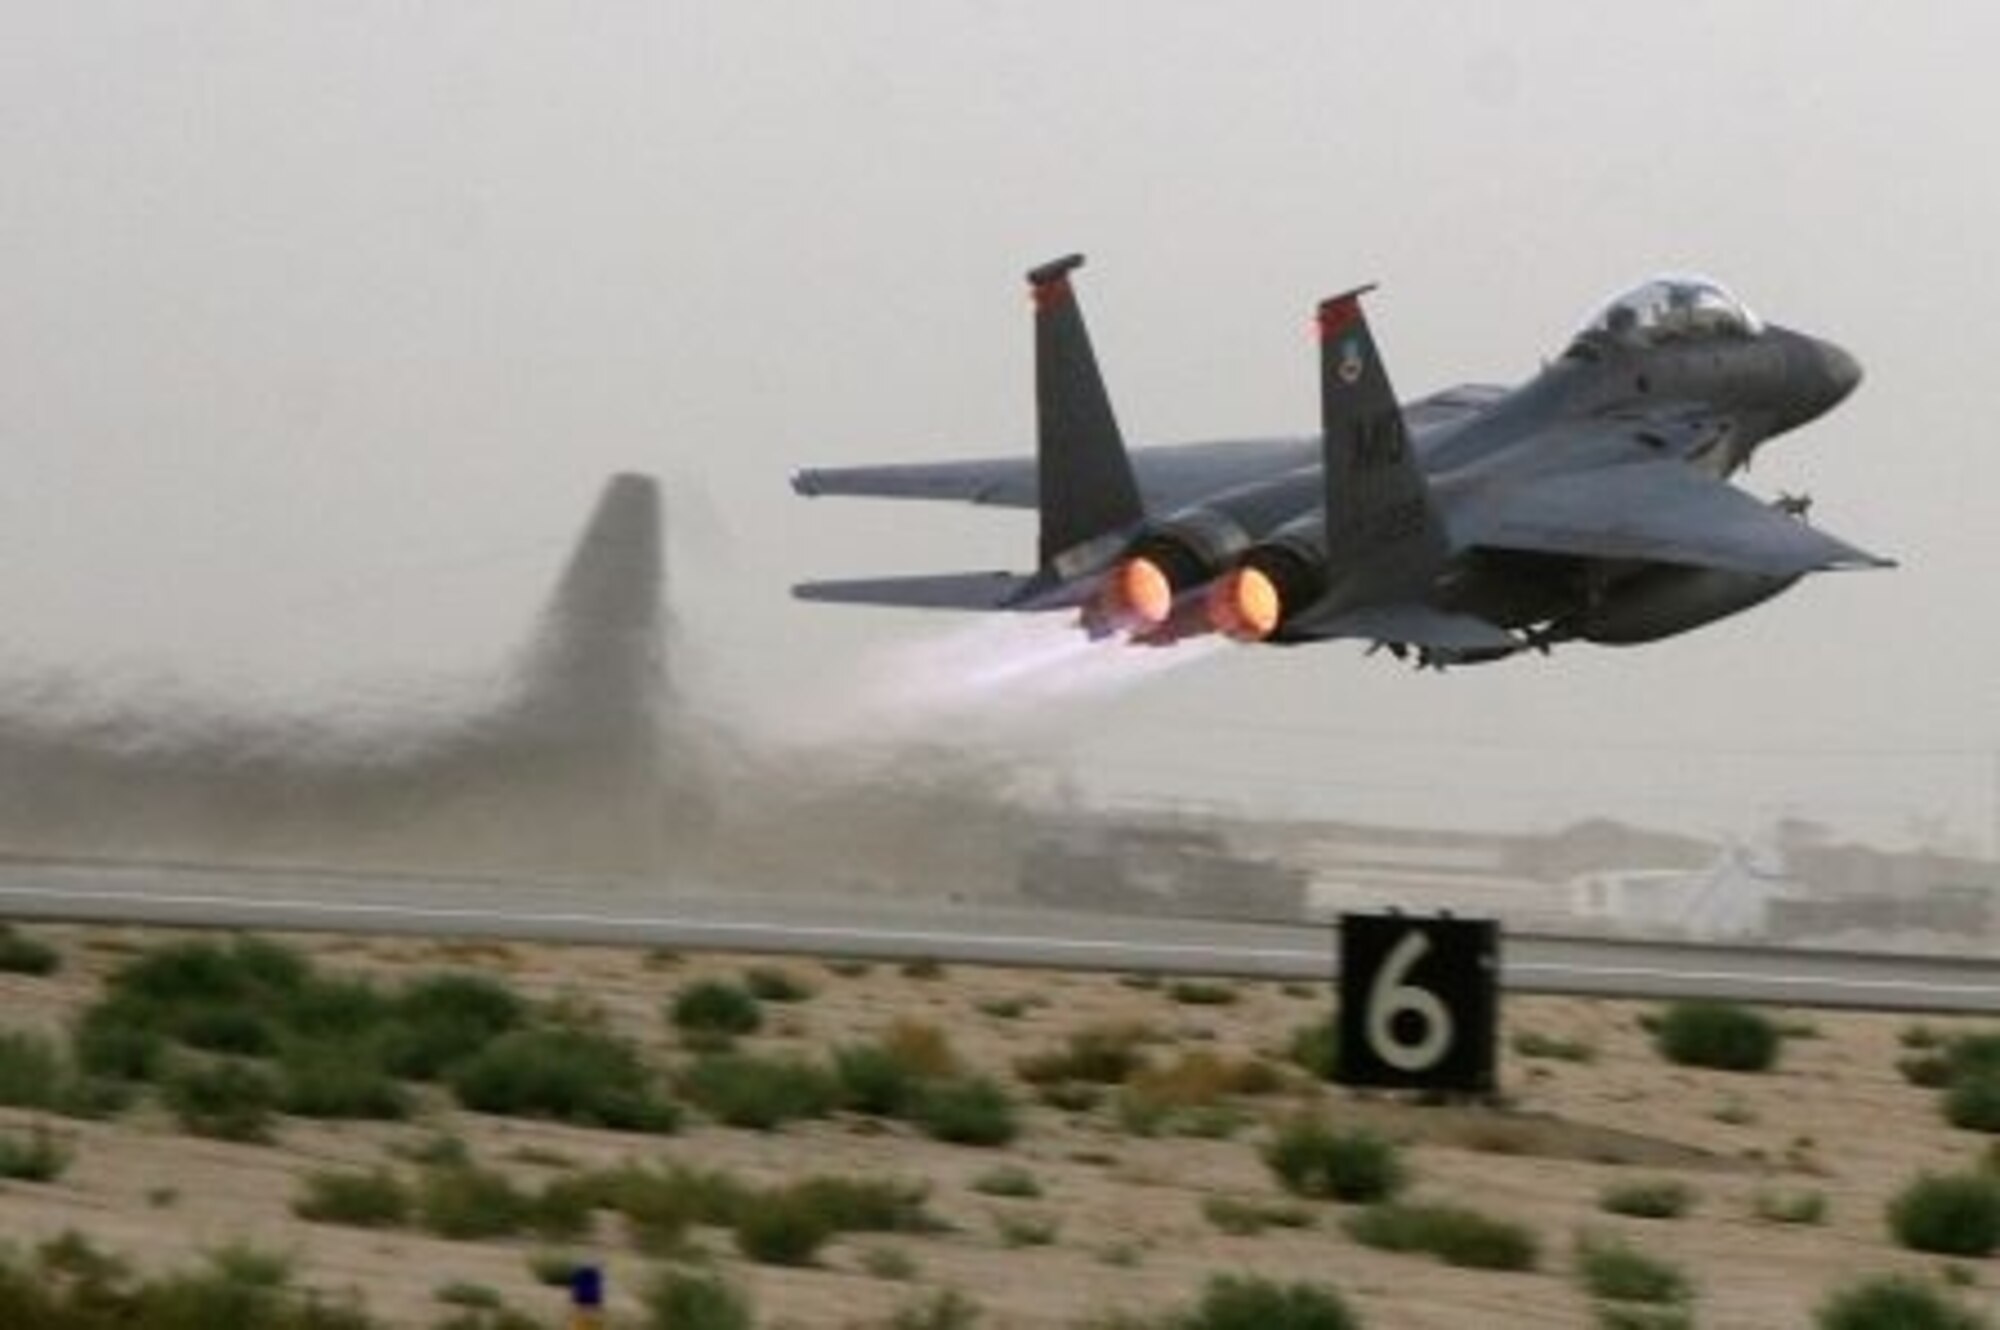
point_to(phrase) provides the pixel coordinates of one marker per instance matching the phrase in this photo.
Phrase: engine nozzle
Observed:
(1254, 600)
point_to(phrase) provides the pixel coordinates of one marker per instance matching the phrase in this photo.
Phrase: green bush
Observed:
(467, 1201)
(873, 1080)
(21, 954)
(338, 1080)
(741, 1090)
(1248, 1218)
(1009, 1180)
(375, 1199)
(1531, 1044)
(679, 1300)
(782, 1229)
(1726, 1036)
(1895, 1302)
(1311, 1158)
(714, 1006)
(442, 1019)
(1099, 1054)
(1608, 1268)
(1972, 1100)
(1948, 1214)
(37, 1157)
(1249, 1302)
(1202, 992)
(1652, 1198)
(940, 1309)
(105, 1044)
(1803, 1207)
(229, 1101)
(1316, 1047)
(770, 983)
(578, 1076)
(1454, 1235)
(970, 1110)
(562, 1210)
(32, 1072)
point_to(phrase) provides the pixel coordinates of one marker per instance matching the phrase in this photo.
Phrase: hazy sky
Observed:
(320, 324)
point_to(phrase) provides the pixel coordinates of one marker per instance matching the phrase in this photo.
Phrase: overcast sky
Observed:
(320, 324)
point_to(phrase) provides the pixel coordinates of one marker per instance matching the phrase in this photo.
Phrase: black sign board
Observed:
(1419, 1002)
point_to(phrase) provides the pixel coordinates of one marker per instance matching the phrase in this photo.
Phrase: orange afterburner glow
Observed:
(1143, 591)
(1245, 605)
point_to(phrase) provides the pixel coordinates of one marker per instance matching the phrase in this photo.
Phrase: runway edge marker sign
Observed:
(1419, 1002)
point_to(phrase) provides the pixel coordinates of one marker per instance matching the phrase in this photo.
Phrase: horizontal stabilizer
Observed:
(1408, 623)
(941, 591)
(1660, 512)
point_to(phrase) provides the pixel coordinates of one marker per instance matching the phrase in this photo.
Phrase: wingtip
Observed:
(805, 483)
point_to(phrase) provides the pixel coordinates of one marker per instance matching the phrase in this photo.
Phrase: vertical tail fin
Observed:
(1383, 533)
(1089, 500)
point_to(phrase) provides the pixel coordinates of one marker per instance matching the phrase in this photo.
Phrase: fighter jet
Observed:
(1590, 503)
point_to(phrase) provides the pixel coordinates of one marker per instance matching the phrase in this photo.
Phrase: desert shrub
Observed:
(740, 1090)
(940, 1309)
(1022, 1230)
(375, 1199)
(562, 1210)
(658, 1205)
(1100, 1054)
(580, 1076)
(1895, 1302)
(1007, 1180)
(770, 983)
(782, 1229)
(874, 1081)
(1608, 1268)
(1726, 1036)
(1202, 992)
(863, 1205)
(21, 954)
(1802, 1207)
(1316, 1047)
(464, 1293)
(467, 1201)
(1312, 1158)
(1948, 1214)
(228, 1100)
(105, 1044)
(1930, 1070)
(442, 1019)
(1533, 1044)
(1971, 1054)
(36, 1157)
(680, 1300)
(32, 1071)
(970, 1110)
(1972, 1100)
(338, 1080)
(1453, 1234)
(1643, 1316)
(716, 1007)
(1247, 1218)
(1651, 1198)
(922, 967)
(1249, 1302)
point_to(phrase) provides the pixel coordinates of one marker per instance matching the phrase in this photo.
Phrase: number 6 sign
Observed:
(1418, 1002)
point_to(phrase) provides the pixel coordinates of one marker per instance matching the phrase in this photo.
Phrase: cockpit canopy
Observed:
(1673, 309)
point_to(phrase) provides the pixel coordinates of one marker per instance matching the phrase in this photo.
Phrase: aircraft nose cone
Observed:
(1843, 371)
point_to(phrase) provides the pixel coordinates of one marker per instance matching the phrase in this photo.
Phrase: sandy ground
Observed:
(1130, 1234)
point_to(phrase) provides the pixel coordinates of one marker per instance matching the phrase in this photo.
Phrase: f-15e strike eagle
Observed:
(1591, 503)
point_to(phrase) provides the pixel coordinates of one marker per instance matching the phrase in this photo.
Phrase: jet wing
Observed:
(1170, 476)
(945, 591)
(1409, 623)
(1661, 512)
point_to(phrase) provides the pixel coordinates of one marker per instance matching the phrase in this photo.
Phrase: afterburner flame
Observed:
(1143, 590)
(1246, 605)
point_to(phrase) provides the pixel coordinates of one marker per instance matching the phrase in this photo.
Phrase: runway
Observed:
(652, 914)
